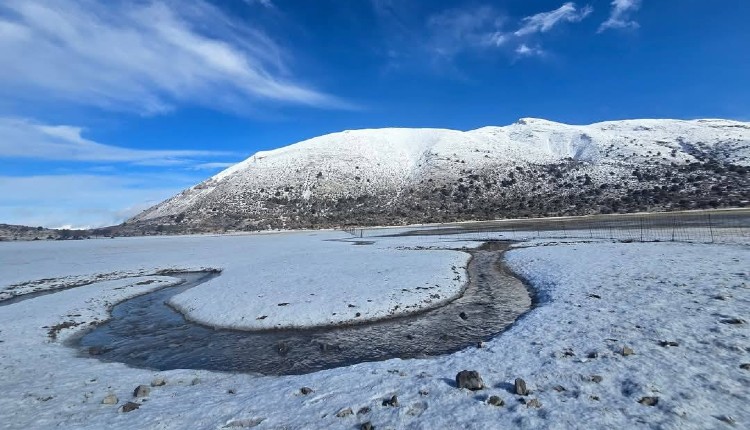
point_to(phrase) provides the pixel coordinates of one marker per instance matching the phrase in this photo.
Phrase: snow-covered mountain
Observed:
(533, 167)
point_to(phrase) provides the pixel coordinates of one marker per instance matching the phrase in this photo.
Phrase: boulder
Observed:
(344, 412)
(393, 401)
(129, 407)
(520, 387)
(141, 391)
(495, 401)
(470, 380)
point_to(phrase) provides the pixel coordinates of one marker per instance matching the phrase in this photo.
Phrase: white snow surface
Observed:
(593, 297)
(369, 161)
(342, 283)
(262, 275)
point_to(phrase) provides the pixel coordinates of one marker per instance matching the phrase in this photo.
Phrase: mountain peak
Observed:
(531, 121)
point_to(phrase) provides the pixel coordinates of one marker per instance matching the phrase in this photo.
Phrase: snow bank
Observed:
(304, 283)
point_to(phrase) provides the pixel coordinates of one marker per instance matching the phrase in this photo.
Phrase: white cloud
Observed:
(265, 3)
(455, 30)
(82, 201)
(23, 138)
(619, 17)
(497, 38)
(145, 57)
(545, 21)
(213, 166)
(524, 50)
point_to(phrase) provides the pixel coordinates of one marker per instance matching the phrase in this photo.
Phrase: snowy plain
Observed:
(595, 298)
(262, 277)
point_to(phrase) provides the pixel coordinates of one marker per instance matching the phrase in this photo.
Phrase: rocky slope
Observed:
(10, 232)
(533, 167)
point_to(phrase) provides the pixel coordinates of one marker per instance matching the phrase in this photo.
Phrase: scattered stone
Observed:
(141, 391)
(367, 426)
(559, 388)
(626, 351)
(244, 423)
(592, 354)
(596, 378)
(520, 386)
(358, 314)
(231, 391)
(470, 380)
(129, 406)
(195, 381)
(110, 399)
(159, 382)
(463, 316)
(496, 401)
(745, 366)
(667, 343)
(733, 321)
(305, 390)
(568, 353)
(649, 401)
(425, 392)
(363, 410)
(345, 412)
(393, 401)
(533, 403)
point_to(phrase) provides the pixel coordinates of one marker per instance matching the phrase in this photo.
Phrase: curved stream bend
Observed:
(144, 332)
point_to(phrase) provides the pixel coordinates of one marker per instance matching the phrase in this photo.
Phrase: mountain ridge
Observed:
(406, 175)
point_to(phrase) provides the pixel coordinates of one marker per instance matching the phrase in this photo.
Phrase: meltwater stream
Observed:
(145, 332)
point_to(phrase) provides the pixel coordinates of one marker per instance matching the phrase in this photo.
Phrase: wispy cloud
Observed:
(454, 31)
(212, 166)
(524, 50)
(83, 201)
(265, 3)
(27, 139)
(145, 57)
(620, 15)
(545, 21)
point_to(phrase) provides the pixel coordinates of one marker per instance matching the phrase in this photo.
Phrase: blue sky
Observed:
(109, 107)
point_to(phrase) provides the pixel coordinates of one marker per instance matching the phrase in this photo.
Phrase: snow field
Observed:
(268, 280)
(594, 300)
